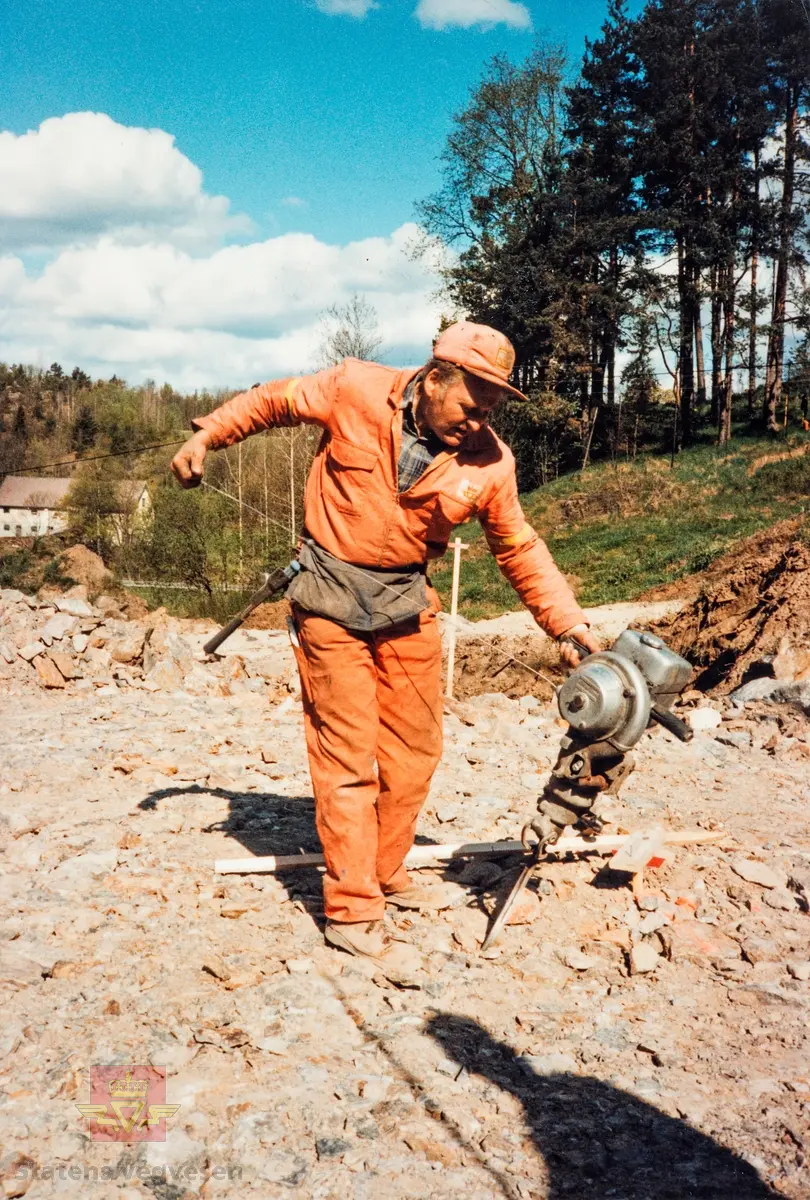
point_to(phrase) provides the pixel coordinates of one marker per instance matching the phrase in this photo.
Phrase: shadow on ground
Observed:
(266, 823)
(596, 1140)
(263, 823)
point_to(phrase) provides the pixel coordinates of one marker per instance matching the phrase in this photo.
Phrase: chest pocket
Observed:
(448, 511)
(348, 474)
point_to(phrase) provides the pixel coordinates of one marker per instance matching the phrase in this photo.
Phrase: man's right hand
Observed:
(187, 464)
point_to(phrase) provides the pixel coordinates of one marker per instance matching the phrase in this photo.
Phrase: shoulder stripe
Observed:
(288, 394)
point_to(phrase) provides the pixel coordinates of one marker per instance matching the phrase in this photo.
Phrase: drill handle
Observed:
(673, 724)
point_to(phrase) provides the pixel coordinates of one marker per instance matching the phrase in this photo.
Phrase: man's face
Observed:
(456, 411)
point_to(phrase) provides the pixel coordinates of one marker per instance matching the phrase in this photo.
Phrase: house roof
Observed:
(29, 491)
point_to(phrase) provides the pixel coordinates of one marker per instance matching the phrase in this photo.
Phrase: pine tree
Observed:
(604, 234)
(787, 33)
(19, 430)
(85, 430)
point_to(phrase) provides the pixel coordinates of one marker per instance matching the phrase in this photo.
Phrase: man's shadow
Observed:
(596, 1140)
(264, 823)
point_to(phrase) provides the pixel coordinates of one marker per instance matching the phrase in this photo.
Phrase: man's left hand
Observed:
(582, 635)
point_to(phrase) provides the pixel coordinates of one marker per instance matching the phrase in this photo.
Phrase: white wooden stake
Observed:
(458, 546)
(425, 855)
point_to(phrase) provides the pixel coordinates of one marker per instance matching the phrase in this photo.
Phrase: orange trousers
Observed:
(373, 721)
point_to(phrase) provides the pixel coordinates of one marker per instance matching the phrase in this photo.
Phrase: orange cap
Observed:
(479, 349)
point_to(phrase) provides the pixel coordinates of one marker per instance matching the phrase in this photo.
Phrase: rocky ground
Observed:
(637, 1048)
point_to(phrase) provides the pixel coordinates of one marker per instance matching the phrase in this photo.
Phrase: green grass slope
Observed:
(622, 529)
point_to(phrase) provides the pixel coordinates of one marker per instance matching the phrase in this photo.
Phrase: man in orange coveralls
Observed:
(405, 456)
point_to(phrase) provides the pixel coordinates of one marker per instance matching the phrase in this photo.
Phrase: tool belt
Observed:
(363, 599)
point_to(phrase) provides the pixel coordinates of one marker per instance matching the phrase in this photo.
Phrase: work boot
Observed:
(369, 940)
(426, 897)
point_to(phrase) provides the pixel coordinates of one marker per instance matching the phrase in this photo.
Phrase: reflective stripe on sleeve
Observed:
(514, 539)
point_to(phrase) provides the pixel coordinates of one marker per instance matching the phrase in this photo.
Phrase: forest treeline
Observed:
(651, 214)
(94, 432)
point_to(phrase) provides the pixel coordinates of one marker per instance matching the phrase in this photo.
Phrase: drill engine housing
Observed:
(608, 702)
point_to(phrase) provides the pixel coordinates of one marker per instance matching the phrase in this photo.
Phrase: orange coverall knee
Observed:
(369, 700)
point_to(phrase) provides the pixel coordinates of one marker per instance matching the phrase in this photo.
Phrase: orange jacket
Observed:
(352, 505)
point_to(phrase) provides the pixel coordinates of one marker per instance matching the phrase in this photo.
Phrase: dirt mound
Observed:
(487, 664)
(750, 603)
(272, 615)
(758, 546)
(83, 566)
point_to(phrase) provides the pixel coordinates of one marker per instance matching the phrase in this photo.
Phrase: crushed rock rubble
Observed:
(64, 642)
(642, 1047)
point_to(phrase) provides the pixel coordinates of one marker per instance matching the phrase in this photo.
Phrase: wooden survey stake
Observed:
(422, 856)
(458, 546)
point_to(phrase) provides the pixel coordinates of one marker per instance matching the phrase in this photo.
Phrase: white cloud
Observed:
(84, 174)
(294, 202)
(346, 8)
(442, 14)
(220, 319)
(133, 276)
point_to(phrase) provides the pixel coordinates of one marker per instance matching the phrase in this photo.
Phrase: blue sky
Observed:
(272, 98)
(304, 131)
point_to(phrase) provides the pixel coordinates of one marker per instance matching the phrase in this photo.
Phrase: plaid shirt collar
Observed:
(417, 451)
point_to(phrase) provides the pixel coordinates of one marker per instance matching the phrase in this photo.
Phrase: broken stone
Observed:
(214, 965)
(61, 625)
(17, 970)
(165, 675)
(31, 651)
(556, 1062)
(579, 961)
(760, 950)
(331, 1147)
(652, 923)
(299, 966)
(64, 663)
(757, 872)
(799, 880)
(528, 908)
(735, 737)
(644, 958)
(799, 970)
(692, 940)
(780, 899)
(128, 649)
(701, 720)
(273, 1045)
(790, 662)
(74, 606)
(48, 673)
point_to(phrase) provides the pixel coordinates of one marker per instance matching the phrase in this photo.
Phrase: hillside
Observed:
(620, 530)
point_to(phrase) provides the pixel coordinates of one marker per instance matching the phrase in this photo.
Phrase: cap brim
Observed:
(496, 379)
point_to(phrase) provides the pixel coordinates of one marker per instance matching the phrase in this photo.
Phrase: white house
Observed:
(31, 506)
